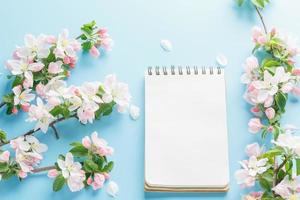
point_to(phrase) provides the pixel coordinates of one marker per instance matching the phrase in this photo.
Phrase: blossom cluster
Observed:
(45, 57)
(28, 155)
(269, 80)
(87, 102)
(92, 169)
(269, 83)
(38, 61)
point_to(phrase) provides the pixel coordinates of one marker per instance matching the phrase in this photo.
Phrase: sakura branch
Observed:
(92, 100)
(44, 57)
(83, 166)
(270, 79)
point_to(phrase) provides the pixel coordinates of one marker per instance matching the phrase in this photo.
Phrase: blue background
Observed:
(199, 30)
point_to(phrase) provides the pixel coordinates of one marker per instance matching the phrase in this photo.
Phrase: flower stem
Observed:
(261, 19)
(2, 104)
(32, 131)
(42, 169)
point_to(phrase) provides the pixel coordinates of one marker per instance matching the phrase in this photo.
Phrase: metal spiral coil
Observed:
(180, 71)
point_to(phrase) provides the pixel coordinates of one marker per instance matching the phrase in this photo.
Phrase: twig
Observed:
(42, 169)
(261, 19)
(55, 132)
(276, 171)
(32, 131)
(2, 104)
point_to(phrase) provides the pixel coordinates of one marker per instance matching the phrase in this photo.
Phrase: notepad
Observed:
(186, 144)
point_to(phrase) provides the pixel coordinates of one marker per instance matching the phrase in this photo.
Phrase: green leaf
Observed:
(3, 166)
(267, 62)
(266, 185)
(2, 136)
(18, 81)
(273, 152)
(58, 183)
(79, 151)
(280, 100)
(258, 3)
(104, 109)
(239, 2)
(57, 110)
(298, 166)
(87, 45)
(74, 144)
(9, 98)
(90, 166)
(108, 167)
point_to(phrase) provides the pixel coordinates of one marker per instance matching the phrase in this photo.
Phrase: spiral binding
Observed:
(179, 70)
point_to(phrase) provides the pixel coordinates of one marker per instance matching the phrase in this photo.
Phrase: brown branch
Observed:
(32, 131)
(42, 169)
(55, 132)
(2, 104)
(261, 19)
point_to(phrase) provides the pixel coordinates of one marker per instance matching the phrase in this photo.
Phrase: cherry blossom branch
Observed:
(261, 19)
(32, 131)
(43, 169)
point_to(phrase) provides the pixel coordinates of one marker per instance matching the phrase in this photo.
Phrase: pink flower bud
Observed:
(52, 173)
(296, 72)
(25, 107)
(94, 52)
(254, 125)
(270, 129)
(22, 174)
(255, 109)
(273, 31)
(14, 110)
(4, 157)
(89, 181)
(270, 113)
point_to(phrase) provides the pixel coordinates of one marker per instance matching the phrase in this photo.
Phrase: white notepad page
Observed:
(185, 130)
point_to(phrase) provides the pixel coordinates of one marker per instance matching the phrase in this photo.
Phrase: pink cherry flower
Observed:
(254, 125)
(97, 145)
(253, 196)
(98, 181)
(94, 52)
(270, 113)
(67, 60)
(254, 150)
(55, 67)
(258, 36)
(40, 90)
(52, 173)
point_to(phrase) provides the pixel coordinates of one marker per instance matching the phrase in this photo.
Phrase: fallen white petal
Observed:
(222, 60)
(134, 112)
(112, 189)
(166, 45)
